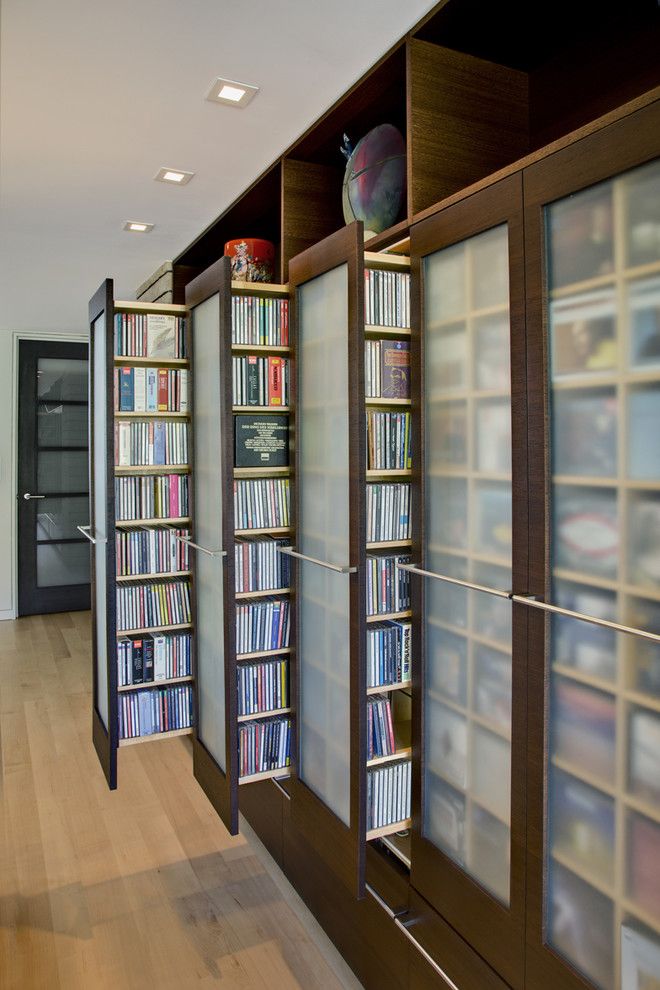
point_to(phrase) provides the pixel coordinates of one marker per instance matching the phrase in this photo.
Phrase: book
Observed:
(151, 404)
(138, 661)
(275, 383)
(161, 335)
(139, 389)
(126, 389)
(147, 658)
(395, 369)
(162, 390)
(261, 440)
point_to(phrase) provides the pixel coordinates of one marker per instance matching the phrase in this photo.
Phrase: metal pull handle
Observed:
(422, 951)
(196, 546)
(85, 532)
(533, 602)
(339, 568)
(27, 496)
(415, 569)
(275, 781)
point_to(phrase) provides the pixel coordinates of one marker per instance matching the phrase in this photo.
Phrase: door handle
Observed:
(27, 496)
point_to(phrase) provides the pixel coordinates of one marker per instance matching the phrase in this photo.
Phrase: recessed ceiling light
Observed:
(174, 175)
(234, 94)
(137, 226)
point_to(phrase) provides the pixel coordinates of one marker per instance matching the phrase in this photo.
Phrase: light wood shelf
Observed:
(154, 629)
(155, 736)
(153, 362)
(263, 653)
(381, 260)
(176, 521)
(387, 544)
(152, 415)
(127, 578)
(584, 873)
(257, 715)
(259, 288)
(132, 306)
(261, 409)
(261, 472)
(388, 473)
(384, 401)
(384, 688)
(389, 616)
(259, 532)
(376, 330)
(151, 685)
(137, 469)
(585, 775)
(378, 833)
(261, 348)
(243, 595)
(264, 775)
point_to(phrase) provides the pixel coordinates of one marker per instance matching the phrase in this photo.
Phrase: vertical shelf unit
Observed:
(141, 524)
(388, 390)
(262, 498)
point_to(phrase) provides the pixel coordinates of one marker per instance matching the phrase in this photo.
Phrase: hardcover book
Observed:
(261, 440)
(161, 335)
(395, 369)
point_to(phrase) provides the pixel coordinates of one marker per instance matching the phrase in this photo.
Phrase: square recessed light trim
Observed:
(231, 93)
(174, 176)
(138, 227)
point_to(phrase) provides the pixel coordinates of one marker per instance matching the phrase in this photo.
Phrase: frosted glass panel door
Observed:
(323, 533)
(207, 514)
(603, 800)
(466, 802)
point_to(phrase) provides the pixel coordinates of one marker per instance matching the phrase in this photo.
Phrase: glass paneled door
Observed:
(602, 896)
(469, 550)
(53, 473)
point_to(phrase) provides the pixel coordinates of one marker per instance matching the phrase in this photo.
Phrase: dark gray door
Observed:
(53, 477)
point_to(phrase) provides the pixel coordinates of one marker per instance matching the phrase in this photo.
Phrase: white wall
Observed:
(9, 458)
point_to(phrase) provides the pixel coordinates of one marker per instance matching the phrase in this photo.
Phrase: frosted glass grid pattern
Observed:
(603, 800)
(101, 521)
(207, 514)
(62, 378)
(467, 774)
(61, 426)
(323, 532)
(57, 518)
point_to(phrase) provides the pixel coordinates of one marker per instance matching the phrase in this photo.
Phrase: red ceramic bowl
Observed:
(252, 259)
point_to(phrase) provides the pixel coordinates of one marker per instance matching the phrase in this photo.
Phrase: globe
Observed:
(374, 186)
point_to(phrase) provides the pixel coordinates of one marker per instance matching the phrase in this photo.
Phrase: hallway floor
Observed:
(140, 887)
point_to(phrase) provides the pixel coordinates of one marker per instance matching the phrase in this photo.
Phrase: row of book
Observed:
(388, 653)
(388, 794)
(388, 512)
(388, 440)
(143, 713)
(260, 321)
(155, 603)
(261, 503)
(153, 335)
(386, 298)
(262, 625)
(148, 658)
(264, 745)
(259, 566)
(260, 381)
(388, 587)
(380, 727)
(146, 442)
(387, 369)
(152, 551)
(263, 686)
(156, 496)
(140, 389)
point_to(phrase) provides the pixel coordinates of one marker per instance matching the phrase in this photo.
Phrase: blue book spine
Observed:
(159, 443)
(126, 390)
(152, 390)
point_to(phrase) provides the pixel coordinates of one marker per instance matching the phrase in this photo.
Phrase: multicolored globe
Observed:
(374, 187)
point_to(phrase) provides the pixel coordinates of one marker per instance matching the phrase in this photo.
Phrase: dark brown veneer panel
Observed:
(467, 118)
(311, 206)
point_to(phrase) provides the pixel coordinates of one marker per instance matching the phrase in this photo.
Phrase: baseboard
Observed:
(8, 613)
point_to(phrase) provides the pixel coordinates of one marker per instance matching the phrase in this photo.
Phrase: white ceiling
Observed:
(96, 97)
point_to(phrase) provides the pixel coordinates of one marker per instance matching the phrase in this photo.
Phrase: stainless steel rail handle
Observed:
(197, 546)
(27, 496)
(92, 539)
(415, 569)
(339, 568)
(533, 602)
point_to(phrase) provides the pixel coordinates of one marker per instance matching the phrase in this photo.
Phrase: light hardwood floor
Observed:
(137, 888)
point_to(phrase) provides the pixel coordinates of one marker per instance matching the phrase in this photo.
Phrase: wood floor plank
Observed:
(133, 888)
